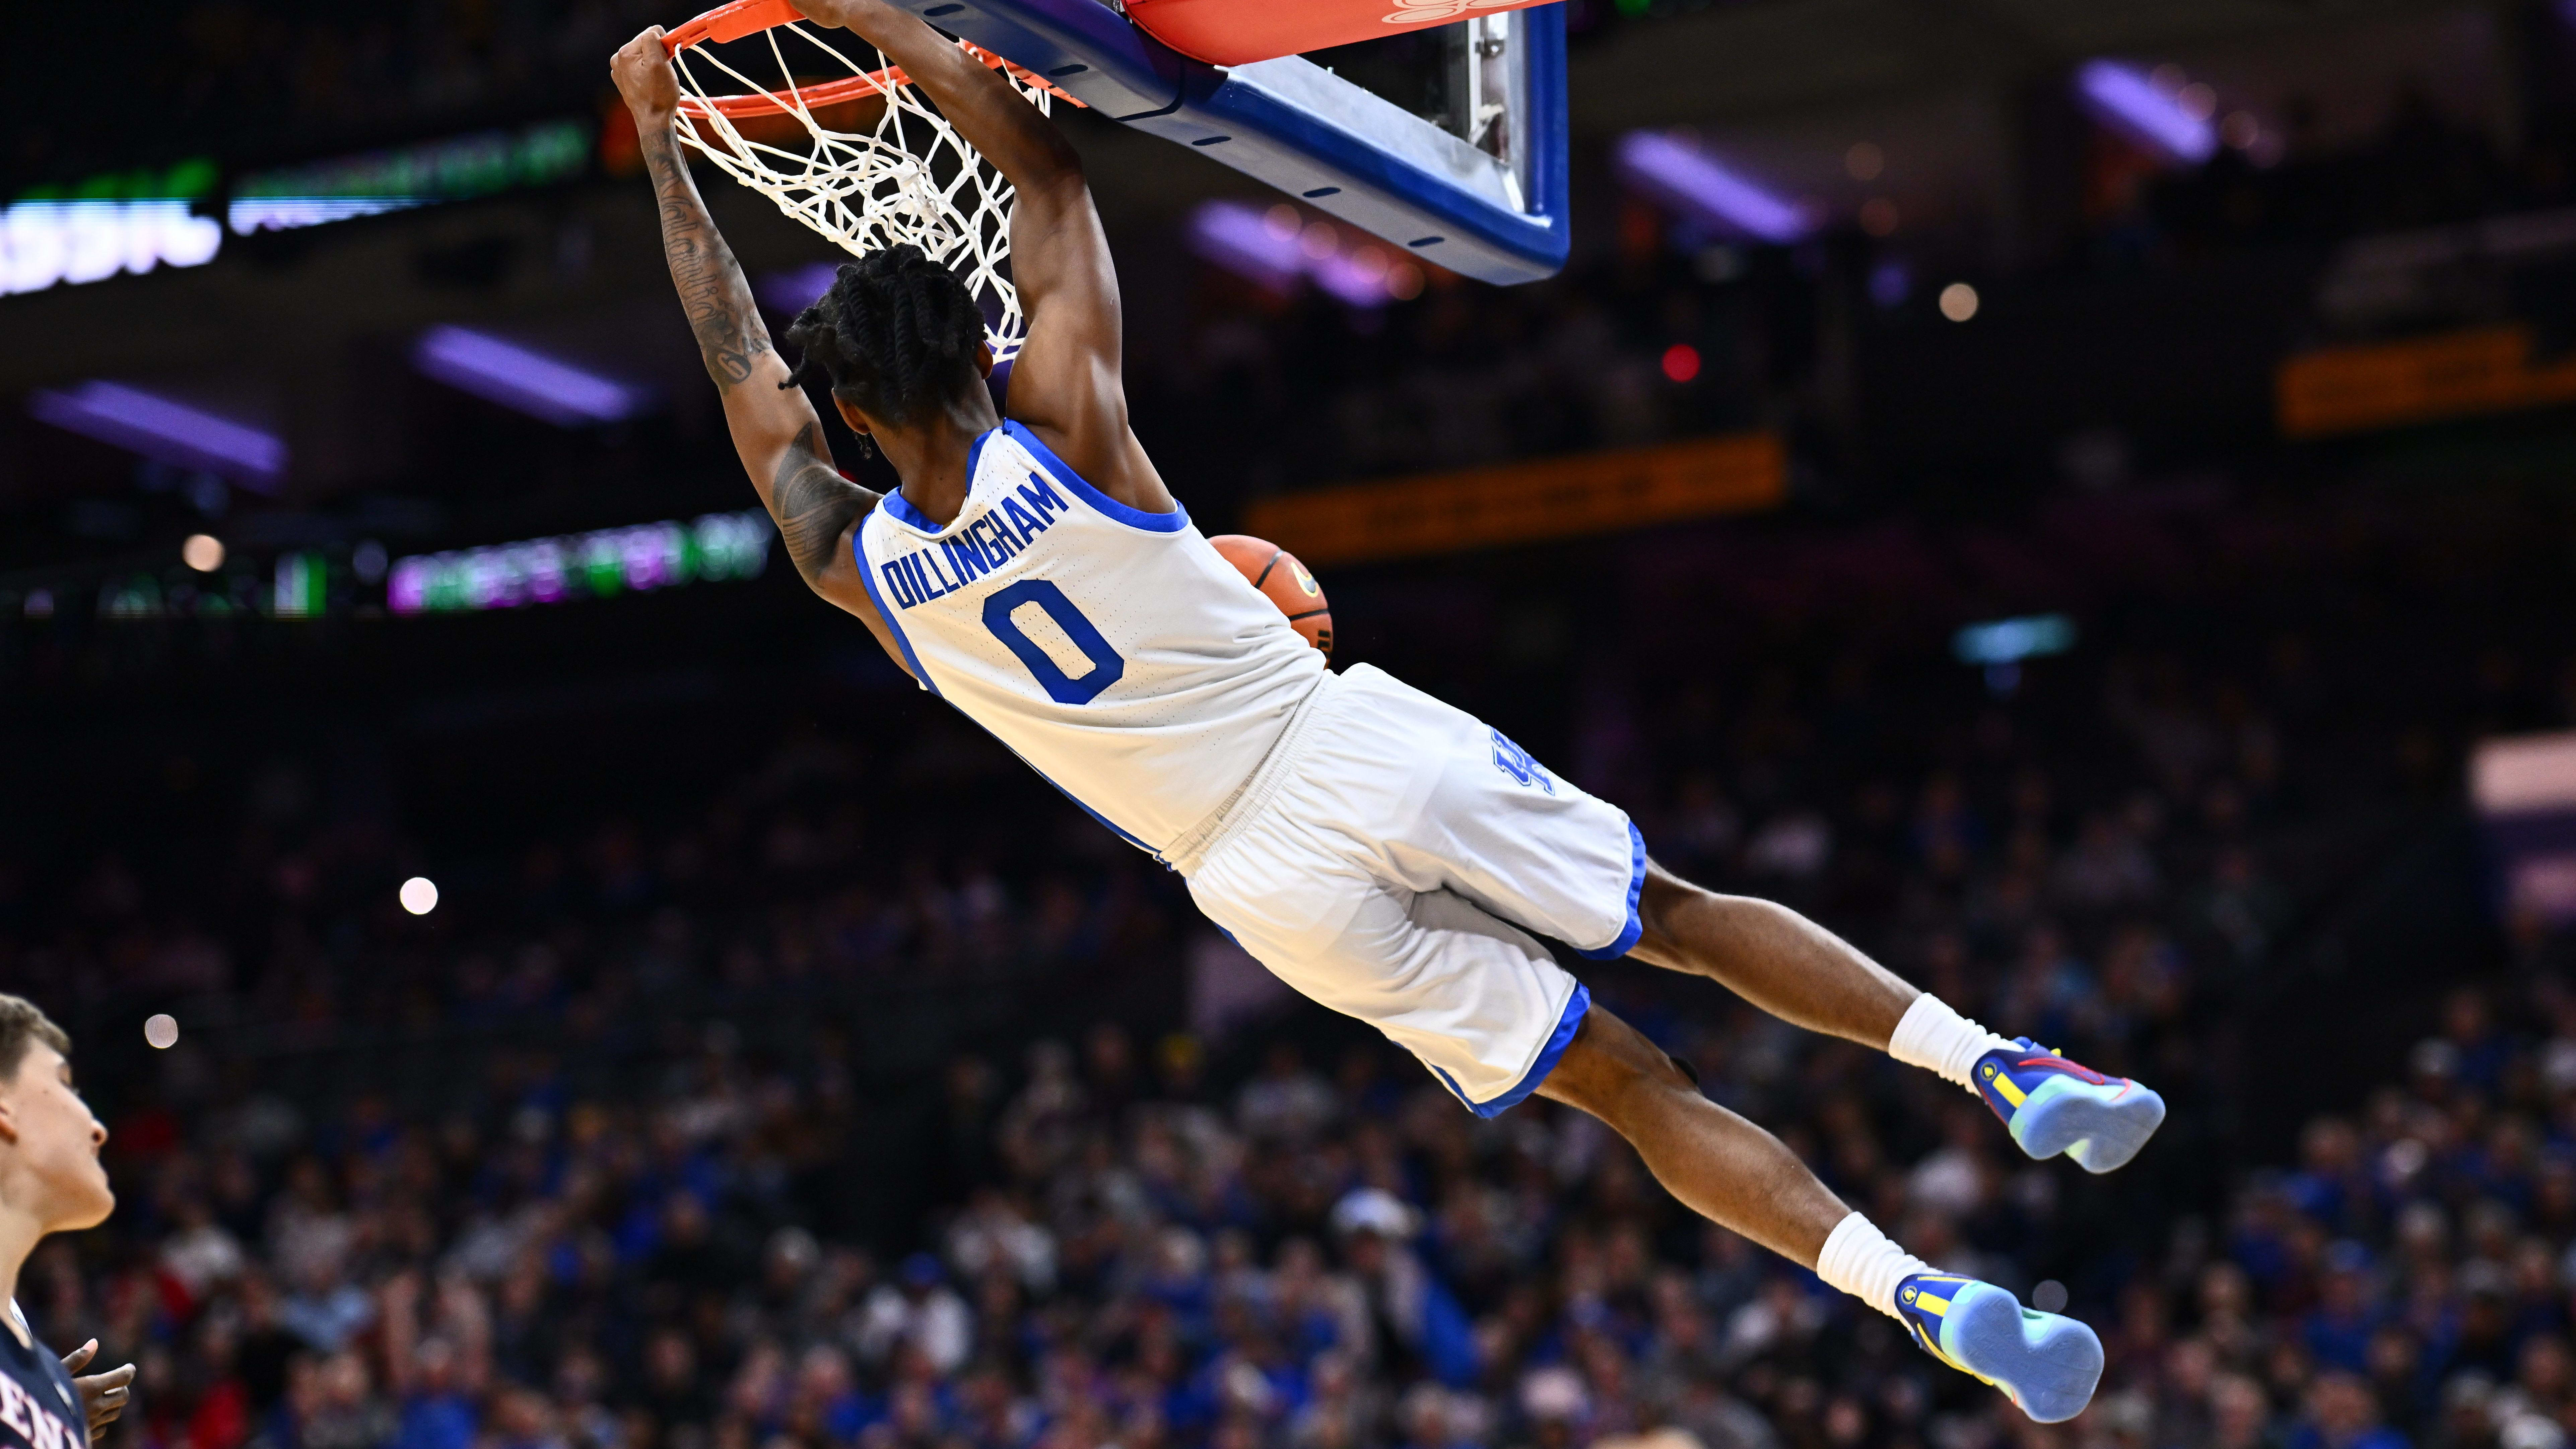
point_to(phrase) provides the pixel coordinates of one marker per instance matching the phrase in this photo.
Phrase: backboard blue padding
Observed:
(1125, 74)
(1292, 125)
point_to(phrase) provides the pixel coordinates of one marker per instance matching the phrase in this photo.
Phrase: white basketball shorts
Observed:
(1393, 857)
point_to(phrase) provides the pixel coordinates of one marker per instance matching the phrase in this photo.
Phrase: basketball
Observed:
(1284, 581)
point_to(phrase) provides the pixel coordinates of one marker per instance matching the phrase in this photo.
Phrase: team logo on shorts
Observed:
(1514, 761)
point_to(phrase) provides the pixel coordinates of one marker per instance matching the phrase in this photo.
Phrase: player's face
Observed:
(57, 1139)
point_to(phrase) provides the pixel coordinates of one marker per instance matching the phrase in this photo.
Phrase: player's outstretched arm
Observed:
(1066, 383)
(774, 427)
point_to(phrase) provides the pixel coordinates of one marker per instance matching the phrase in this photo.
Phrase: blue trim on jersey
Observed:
(903, 511)
(1115, 511)
(1563, 1037)
(1626, 940)
(868, 576)
(1078, 801)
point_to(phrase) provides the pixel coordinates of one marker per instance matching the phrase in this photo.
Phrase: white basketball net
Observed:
(910, 179)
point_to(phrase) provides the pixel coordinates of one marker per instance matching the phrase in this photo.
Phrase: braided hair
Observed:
(895, 335)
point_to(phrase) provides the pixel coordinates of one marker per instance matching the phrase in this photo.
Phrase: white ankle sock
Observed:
(1934, 1037)
(1866, 1263)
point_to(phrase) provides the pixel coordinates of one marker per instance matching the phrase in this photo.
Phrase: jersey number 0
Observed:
(1063, 688)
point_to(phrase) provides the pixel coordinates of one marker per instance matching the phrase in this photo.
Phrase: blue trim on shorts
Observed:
(1563, 1037)
(1626, 941)
(1172, 522)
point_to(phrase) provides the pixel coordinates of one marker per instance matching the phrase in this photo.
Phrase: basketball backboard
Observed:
(1484, 196)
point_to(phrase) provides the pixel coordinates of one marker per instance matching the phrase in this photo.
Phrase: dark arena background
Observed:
(2079, 498)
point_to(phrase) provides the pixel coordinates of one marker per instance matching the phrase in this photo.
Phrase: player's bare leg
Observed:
(1771, 956)
(1736, 1174)
(1804, 974)
(1721, 1166)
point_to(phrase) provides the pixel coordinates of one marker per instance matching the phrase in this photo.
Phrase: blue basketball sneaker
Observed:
(2053, 1105)
(2045, 1364)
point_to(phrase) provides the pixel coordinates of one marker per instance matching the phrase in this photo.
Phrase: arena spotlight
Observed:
(161, 1031)
(419, 895)
(203, 552)
(2130, 102)
(158, 428)
(525, 380)
(1684, 176)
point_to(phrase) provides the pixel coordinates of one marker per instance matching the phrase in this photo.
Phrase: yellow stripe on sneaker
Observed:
(1932, 1346)
(2011, 1093)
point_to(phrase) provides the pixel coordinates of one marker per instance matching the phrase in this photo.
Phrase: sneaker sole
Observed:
(2048, 1365)
(2101, 1128)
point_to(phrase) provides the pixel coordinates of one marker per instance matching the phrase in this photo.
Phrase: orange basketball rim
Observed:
(741, 18)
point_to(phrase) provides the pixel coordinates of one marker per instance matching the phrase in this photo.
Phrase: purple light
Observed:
(1890, 283)
(793, 291)
(1242, 241)
(531, 382)
(1276, 247)
(2125, 99)
(158, 428)
(1351, 279)
(1685, 176)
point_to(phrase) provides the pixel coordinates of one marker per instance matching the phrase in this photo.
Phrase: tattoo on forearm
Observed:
(813, 503)
(721, 311)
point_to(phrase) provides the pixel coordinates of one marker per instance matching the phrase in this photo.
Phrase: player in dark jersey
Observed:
(51, 1181)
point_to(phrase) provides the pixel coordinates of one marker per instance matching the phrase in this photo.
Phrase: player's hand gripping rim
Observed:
(642, 71)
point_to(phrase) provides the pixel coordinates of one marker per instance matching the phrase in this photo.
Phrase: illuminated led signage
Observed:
(407, 176)
(582, 565)
(127, 222)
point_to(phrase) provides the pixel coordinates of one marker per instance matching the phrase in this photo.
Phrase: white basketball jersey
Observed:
(1113, 649)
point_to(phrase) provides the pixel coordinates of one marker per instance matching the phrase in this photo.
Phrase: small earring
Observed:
(867, 446)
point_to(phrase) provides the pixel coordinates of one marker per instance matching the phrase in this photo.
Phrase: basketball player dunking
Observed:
(1387, 855)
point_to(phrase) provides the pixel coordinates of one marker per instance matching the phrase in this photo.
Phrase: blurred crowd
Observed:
(2408, 1282)
(1331, 1257)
